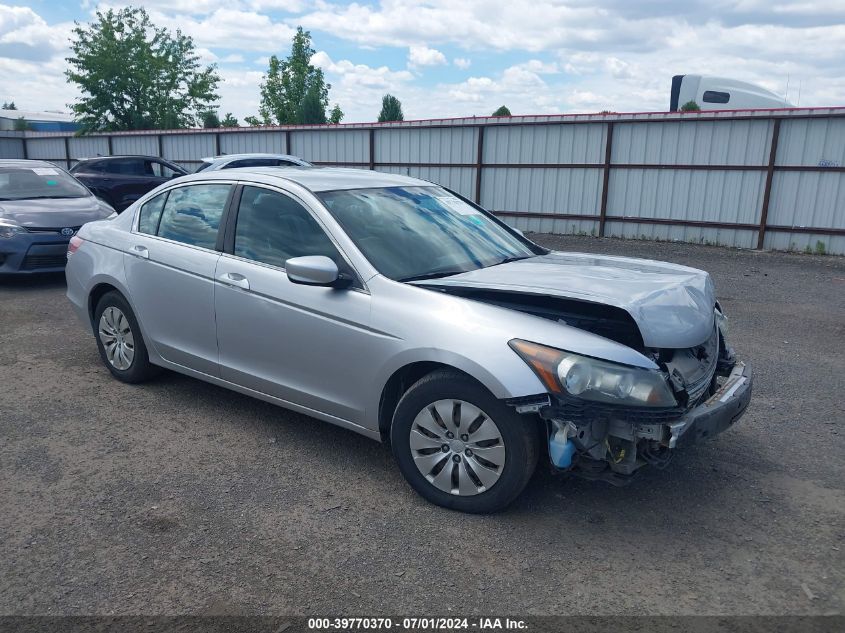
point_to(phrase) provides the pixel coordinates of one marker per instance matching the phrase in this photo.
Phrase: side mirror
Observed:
(316, 270)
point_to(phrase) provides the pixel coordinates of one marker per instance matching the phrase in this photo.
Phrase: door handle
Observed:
(234, 279)
(140, 251)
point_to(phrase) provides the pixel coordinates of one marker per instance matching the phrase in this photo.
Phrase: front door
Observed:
(304, 344)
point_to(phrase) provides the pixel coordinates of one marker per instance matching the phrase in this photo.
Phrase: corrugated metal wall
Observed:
(11, 147)
(771, 179)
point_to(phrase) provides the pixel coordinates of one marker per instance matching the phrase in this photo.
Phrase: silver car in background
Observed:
(237, 161)
(400, 310)
(41, 207)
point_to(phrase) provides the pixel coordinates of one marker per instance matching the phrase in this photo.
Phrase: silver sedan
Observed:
(400, 310)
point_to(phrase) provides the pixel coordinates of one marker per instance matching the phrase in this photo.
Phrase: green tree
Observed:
(391, 109)
(293, 88)
(690, 106)
(252, 121)
(21, 124)
(502, 111)
(210, 119)
(311, 109)
(336, 115)
(134, 75)
(9, 106)
(229, 121)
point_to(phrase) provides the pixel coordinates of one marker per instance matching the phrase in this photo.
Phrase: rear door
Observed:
(303, 344)
(170, 268)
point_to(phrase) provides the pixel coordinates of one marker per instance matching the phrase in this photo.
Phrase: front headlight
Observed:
(592, 379)
(9, 230)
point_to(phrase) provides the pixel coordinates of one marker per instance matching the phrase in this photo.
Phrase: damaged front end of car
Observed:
(605, 421)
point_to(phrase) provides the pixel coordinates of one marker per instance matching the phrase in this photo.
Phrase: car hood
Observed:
(672, 305)
(54, 212)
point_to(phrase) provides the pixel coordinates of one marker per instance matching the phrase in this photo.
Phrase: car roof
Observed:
(211, 159)
(25, 162)
(114, 156)
(316, 179)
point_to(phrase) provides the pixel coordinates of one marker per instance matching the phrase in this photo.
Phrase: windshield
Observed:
(27, 183)
(412, 233)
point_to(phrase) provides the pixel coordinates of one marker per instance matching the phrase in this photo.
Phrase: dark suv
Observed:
(121, 180)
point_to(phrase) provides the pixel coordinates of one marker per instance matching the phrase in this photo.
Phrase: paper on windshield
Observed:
(45, 171)
(457, 205)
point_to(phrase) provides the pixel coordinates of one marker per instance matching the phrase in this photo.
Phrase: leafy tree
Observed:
(391, 109)
(690, 106)
(311, 109)
(21, 124)
(229, 121)
(252, 121)
(134, 75)
(210, 119)
(502, 111)
(9, 106)
(336, 114)
(293, 88)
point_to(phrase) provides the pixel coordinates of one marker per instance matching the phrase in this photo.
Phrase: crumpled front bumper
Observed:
(718, 412)
(612, 442)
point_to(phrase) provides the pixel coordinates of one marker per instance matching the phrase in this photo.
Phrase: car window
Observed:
(252, 162)
(417, 232)
(272, 227)
(192, 214)
(160, 170)
(127, 167)
(150, 214)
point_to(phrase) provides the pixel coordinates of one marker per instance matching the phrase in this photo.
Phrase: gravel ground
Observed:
(180, 497)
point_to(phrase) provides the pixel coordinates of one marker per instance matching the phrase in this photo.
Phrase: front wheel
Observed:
(460, 447)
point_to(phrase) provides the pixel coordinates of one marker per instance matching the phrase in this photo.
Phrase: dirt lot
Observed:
(180, 497)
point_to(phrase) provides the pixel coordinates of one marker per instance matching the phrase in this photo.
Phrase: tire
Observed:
(501, 458)
(127, 358)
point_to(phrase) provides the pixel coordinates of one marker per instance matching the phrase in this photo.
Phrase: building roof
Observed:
(31, 115)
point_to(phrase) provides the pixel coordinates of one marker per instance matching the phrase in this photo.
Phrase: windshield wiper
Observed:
(49, 197)
(432, 275)
(515, 258)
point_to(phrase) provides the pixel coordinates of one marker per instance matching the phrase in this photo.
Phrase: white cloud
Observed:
(424, 56)
(25, 35)
(230, 28)
(561, 55)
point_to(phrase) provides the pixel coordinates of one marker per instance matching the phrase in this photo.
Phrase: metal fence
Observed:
(753, 179)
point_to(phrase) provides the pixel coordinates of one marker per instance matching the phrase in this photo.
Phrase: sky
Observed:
(445, 58)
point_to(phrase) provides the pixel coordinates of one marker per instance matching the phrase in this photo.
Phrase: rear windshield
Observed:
(27, 183)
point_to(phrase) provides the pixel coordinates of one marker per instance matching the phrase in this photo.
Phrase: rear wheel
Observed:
(120, 341)
(460, 447)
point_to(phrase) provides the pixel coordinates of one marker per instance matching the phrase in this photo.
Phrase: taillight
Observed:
(74, 244)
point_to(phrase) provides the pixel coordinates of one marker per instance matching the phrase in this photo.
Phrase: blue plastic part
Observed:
(561, 450)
